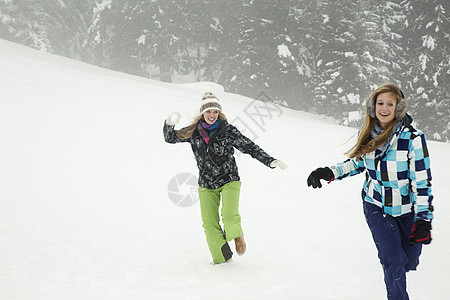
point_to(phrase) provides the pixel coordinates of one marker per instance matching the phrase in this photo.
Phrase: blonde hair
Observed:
(365, 144)
(187, 131)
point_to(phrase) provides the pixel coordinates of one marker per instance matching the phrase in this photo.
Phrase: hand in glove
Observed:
(320, 173)
(173, 118)
(420, 233)
(278, 163)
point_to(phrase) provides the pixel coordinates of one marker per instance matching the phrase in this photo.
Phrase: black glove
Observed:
(420, 233)
(320, 173)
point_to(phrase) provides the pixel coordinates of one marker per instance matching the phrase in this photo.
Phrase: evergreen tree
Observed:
(291, 67)
(339, 76)
(318, 55)
(102, 32)
(163, 41)
(148, 38)
(428, 70)
(25, 22)
(67, 25)
(235, 56)
(259, 53)
(378, 54)
(304, 21)
(392, 60)
(54, 26)
(215, 41)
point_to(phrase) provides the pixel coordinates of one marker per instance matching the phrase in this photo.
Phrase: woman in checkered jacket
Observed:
(397, 190)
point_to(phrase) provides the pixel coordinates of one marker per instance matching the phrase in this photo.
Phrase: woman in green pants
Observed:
(213, 141)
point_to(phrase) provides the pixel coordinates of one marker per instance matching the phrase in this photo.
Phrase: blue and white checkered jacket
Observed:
(399, 181)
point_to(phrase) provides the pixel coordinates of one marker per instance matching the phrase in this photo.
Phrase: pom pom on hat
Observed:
(209, 101)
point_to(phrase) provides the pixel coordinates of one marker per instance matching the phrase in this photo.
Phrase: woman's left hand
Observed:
(278, 163)
(421, 232)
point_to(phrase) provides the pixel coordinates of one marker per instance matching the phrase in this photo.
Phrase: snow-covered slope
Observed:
(85, 211)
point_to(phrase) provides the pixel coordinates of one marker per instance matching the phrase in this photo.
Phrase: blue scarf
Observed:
(376, 131)
(207, 130)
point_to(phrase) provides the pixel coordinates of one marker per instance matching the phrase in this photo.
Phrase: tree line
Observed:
(321, 56)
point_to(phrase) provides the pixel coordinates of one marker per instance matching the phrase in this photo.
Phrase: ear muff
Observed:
(370, 107)
(400, 110)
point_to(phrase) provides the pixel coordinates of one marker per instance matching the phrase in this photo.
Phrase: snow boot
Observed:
(240, 245)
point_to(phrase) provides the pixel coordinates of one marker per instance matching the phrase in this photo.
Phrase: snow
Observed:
(335, 74)
(61, 3)
(423, 58)
(350, 54)
(85, 211)
(5, 19)
(429, 42)
(283, 51)
(353, 116)
(141, 39)
(102, 6)
(353, 98)
(216, 26)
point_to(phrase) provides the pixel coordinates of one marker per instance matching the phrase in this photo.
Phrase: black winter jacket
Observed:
(215, 160)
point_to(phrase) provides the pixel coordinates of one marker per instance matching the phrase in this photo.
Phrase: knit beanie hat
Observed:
(209, 101)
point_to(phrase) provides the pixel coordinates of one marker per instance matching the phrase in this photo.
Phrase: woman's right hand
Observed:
(320, 173)
(173, 118)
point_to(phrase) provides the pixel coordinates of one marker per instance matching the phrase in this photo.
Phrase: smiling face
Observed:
(211, 116)
(385, 108)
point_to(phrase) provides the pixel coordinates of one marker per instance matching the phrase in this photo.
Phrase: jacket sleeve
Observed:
(247, 146)
(170, 135)
(420, 178)
(350, 167)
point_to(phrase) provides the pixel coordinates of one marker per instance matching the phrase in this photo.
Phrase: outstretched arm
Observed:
(247, 146)
(349, 167)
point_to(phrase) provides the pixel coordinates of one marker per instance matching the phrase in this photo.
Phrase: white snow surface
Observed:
(85, 213)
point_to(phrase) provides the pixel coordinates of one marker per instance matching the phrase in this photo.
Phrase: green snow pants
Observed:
(209, 205)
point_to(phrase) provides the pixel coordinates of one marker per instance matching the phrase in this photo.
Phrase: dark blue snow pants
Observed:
(397, 256)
